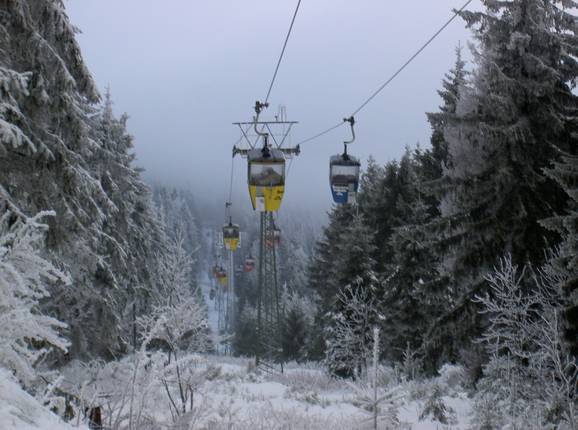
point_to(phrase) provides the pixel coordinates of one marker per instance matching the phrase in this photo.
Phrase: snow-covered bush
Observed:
(142, 390)
(307, 377)
(436, 409)
(380, 402)
(411, 363)
(26, 335)
(530, 376)
(488, 412)
(21, 411)
(127, 391)
(349, 336)
(451, 377)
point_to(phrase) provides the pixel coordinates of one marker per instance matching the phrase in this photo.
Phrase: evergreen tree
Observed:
(417, 295)
(435, 159)
(293, 335)
(413, 298)
(245, 342)
(371, 196)
(352, 274)
(565, 173)
(508, 126)
(27, 335)
(62, 152)
(323, 270)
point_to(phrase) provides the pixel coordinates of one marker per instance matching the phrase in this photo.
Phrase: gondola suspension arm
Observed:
(258, 109)
(351, 121)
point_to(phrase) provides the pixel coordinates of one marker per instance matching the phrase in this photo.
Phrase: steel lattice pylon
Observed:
(266, 179)
(225, 297)
(268, 308)
(230, 312)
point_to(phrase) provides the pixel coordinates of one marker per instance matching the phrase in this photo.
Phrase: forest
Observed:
(445, 296)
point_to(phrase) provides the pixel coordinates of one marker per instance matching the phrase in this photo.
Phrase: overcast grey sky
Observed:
(184, 70)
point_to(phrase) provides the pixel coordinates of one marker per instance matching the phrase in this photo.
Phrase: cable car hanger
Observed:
(228, 210)
(258, 108)
(351, 121)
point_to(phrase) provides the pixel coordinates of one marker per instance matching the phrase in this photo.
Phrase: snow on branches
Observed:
(26, 335)
(349, 336)
(530, 372)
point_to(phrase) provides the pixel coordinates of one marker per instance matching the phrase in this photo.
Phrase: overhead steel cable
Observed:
(395, 75)
(321, 133)
(229, 201)
(231, 181)
(282, 52)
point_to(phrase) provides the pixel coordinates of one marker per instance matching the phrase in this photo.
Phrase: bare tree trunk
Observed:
(375, 362)
(135, 372)
(182, 392)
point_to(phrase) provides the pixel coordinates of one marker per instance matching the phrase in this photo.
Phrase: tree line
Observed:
(498, 181)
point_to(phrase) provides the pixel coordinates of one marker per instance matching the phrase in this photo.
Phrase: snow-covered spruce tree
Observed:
(565, 172)
(437, 158)
(293, 334)
(294, 254)
(372, 196)
(417, 294)
(60, 152)
(379, 206)
(133, 236)
(27, 334)
(413, 297)
(389, 200)
(353, 259)
(179, 215)
(245, 342)
(322, 274)
(298, 320)
(173, 274)
(355, 304)
(509, 124)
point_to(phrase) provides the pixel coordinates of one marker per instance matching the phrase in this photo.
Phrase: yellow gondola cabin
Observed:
(266, 178)
(231, 236)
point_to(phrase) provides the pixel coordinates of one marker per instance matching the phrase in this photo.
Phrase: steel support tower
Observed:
(268, 307)
(269, 318)
(230, 294)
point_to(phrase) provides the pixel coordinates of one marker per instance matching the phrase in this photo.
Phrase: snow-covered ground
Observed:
(305, 397)
(231, 394)
(20, 411)
(205, 284)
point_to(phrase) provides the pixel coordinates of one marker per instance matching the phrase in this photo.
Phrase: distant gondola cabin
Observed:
(222, 277)
(249, 265)
(231, 236)
(344, 178)
(266, 179)
(275, 240)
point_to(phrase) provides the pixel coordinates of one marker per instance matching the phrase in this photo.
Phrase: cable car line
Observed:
(230, 200)
(395, 75)
(266, 171)
(282, 52)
